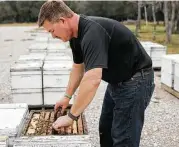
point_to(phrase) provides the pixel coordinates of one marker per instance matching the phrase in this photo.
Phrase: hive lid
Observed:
(27, 66)
(39, 46)
(57, 65)
(62, 57)
(31, 57)
(56, 46)
(12, 117)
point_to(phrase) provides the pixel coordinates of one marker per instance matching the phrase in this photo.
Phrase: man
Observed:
(107, 50)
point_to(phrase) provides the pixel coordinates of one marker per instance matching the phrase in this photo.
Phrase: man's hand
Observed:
(63, 121)
(63, 103)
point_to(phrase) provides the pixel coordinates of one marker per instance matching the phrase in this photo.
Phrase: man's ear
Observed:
(62, 19)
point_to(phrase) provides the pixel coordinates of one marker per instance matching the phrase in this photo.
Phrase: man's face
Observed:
(60, 29)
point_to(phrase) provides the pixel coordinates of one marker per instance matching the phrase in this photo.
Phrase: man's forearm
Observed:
(87, 91)
(75, 78)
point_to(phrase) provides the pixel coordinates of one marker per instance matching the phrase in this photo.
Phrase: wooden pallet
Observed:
(170, 90)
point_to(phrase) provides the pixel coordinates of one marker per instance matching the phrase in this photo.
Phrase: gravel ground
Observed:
(161, 128)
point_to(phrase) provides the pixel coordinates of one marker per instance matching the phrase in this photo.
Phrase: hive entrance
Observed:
(40, 122)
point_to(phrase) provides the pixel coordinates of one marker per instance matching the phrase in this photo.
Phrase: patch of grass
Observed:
(146, 34)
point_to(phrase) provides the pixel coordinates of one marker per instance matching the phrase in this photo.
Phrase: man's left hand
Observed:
(63, 121)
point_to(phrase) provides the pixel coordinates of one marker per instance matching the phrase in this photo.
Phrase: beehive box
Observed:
(26, 83)
(176, 75)
(167, 69)
(56, 74)
(26, 75)
(38, 48)
(61, 57)
(37, 131)
(31, 57)
(3, 141)
(52, 95)
(13, 118)
(41, 39)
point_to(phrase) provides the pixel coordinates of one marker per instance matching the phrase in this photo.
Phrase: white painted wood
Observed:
(56, 74)
(56, 46)
(53, 141)
(167, 79)
(31, 57)
(52, 95)
(168, 62)
(156, 62)
(12, 119)
(28, 96)
(26, 75)
(176, 72)
(57, 58)
(3, 141)
(41, 39)
(36, 46)
(176, 83)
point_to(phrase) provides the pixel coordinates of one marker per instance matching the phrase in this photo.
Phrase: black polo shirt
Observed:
(106, 43)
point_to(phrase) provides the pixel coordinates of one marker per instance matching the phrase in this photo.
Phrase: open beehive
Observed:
(39, 123)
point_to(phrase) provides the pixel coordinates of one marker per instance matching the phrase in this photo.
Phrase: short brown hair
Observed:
(53, 10)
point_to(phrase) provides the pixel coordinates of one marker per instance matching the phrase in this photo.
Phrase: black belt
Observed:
(143, 72)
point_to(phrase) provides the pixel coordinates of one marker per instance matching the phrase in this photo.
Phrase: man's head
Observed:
(55, 17)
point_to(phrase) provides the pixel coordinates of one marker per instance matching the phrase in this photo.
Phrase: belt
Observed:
(143, 72)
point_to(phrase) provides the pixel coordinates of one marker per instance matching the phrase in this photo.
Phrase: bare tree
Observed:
(145, 9)
(154, 19)
(167, 23)
(138, 25)
(173, 16)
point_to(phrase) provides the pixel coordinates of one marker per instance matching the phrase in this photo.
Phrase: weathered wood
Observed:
(46, 122)
(40, 123)
(170, 90)
(80, 126)
(49, 131)
(74, 127)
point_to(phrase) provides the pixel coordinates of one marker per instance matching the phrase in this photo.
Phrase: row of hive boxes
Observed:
(170, 71)
(40, 47)
(155, 51)
(38, 82)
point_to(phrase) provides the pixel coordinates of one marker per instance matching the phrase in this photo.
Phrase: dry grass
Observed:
(146, 34)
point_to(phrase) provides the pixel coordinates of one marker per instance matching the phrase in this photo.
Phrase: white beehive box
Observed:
(156, 62)
(31, 57)
(57, 58)
(26, 75)
(3, 141)
(38, 48)
(176, 75)
(53, 141)
(167, 69)
(41, 39)
(56, 46)
(52, 95)
(56, 74)
(13, 117)
(158, 50)
(28, 96)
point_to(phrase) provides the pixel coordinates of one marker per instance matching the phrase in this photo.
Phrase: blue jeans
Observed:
(123, 109)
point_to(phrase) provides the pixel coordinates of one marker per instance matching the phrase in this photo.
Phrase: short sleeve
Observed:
(76, 51)
(95, 48)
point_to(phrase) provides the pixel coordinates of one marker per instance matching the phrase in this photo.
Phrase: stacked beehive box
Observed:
(26, 82)
(170, 73)
(176, 75)
(155, 51)
(167, 70)
(41, 77)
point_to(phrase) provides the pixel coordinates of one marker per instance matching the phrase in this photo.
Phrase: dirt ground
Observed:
(161, 128)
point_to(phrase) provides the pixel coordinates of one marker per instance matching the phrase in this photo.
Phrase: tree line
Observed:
(134, 11)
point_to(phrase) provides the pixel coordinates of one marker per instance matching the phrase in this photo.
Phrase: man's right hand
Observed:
(63, 103)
